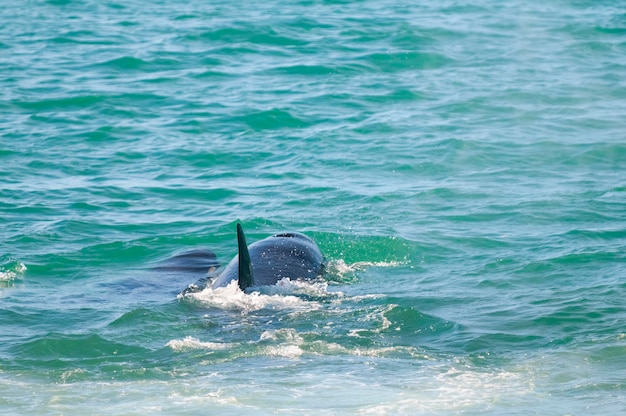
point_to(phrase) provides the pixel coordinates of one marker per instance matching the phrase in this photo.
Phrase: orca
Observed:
(199, 260)
(288, 255)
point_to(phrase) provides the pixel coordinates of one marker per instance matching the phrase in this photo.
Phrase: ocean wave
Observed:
(10, 268)
(191, 343)
(458, 389)
(289, 343)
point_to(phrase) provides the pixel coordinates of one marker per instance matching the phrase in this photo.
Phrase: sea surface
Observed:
(461, 164)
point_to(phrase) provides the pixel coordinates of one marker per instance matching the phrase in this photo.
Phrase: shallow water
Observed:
(462, 167)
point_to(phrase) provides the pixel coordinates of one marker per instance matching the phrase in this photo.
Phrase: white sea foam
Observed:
(340, 267)
(286, 351)
(282, 343)
(316, 288)
(429, 390)
(332, 348)
(69, 375)
(6, 276)
(9, 273)
(288, 335)
(280, 296)
(455, 390)
(288, 343)
(191, 343)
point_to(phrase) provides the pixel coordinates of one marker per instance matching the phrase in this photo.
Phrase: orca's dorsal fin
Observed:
(245, 266)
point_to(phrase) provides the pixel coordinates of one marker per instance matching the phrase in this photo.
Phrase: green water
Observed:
(461, 165)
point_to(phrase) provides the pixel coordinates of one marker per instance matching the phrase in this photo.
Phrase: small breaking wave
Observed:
(289, 343)
(10, 268)
(191, 343)
(281, 350)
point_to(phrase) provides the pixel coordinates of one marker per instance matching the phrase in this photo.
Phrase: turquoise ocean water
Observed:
(462, 165)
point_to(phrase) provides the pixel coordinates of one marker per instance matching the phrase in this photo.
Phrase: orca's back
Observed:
(286, 255)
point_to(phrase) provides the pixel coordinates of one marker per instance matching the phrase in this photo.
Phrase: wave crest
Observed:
(10, 268)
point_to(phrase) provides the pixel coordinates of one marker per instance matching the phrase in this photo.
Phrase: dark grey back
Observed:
(286, 255)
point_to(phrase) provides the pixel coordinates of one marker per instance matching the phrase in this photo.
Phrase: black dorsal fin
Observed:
(245, 266)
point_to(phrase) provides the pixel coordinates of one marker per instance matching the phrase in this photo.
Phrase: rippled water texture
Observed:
(462, 165)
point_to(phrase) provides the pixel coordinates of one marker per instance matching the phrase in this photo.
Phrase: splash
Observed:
(340, 271)
(309, 289)
(10, 269)
(284, 295)
(340, 266)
